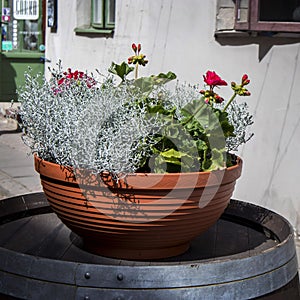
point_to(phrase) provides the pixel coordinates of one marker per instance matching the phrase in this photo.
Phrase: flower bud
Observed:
(139, 47)
(246, 82)
(245, 77)
(144, 62)
(233, 84)
(218, 98)
(134, 47)
(202, 92)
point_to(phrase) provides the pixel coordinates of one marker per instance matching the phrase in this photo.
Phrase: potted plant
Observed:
(137, 170)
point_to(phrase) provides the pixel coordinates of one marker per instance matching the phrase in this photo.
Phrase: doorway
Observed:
(22, 43)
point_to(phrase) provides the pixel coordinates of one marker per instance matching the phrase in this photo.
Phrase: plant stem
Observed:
(230, 100)
(136, 71)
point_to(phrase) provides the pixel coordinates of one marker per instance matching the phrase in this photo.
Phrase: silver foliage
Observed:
(241, 119)
(86, 127)
(97, 127)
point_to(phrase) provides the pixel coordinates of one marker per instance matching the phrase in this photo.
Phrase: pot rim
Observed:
(238, 165)
(188, 180)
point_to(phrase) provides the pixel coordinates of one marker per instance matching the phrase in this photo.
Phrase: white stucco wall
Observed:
(179, 36)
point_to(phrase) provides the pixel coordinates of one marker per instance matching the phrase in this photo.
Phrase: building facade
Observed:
(191, 37)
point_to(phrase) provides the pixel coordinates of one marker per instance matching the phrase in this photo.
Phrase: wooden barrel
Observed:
(249, 253)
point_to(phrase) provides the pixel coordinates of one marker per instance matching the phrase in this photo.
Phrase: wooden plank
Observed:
(45, 236)
(28, 238)
(9, 230)
(231, 239)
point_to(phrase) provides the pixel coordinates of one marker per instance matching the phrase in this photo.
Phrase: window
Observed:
(103, 14)
(95, 17)
(21, 26)
(268, 15)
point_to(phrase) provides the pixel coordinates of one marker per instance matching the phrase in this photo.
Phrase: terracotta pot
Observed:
(143, 216)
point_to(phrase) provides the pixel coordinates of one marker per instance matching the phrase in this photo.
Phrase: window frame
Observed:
(105, 23)
(241, 25)
(254, 24)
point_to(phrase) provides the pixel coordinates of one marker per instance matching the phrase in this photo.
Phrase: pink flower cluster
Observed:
(78, 76)
(213, 79)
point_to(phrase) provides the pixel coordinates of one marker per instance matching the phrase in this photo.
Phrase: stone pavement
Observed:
(17, 174)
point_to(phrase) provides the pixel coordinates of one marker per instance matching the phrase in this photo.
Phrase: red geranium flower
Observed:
(68, 77)
(78, 76)
(213, 79)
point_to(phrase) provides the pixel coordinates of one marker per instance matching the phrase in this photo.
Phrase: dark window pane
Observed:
(279, 10)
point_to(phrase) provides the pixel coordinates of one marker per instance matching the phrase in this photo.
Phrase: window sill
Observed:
(93, 31)
(231, 33)
(11, 54)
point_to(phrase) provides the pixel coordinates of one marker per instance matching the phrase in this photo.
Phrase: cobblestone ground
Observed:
(17, 175)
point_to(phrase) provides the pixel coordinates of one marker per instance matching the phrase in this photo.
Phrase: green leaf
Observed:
(121, 70)
(201, 146)
(210, 127)
(144, 84)
(163, 78)
(159, 108)
(173, 161)
(171, 155)
(159, 165)
(228, 129)
(197, 109)
(218, 160)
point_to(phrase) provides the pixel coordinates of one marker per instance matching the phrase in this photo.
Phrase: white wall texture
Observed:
(179, 36)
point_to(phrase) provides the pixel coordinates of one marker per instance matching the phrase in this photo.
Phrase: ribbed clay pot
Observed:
(142, 216)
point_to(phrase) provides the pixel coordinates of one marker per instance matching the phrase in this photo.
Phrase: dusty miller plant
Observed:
(83, 123)
(91, 121)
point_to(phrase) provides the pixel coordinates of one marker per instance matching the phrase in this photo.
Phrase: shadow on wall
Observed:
(265, 41)
(7, 80)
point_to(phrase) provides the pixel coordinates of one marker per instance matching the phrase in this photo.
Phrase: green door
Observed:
(22, 43)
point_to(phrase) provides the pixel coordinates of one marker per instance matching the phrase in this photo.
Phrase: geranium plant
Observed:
(134, 125)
